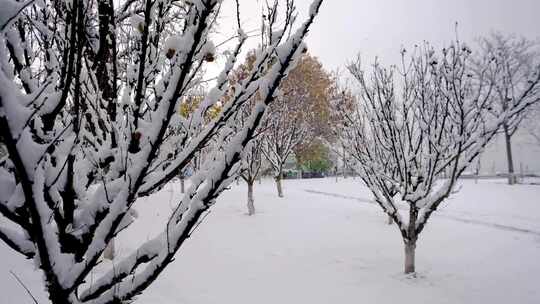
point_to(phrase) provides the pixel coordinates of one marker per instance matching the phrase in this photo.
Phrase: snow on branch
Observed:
(90, 119)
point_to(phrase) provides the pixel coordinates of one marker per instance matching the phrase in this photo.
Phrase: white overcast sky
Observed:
(380, 28)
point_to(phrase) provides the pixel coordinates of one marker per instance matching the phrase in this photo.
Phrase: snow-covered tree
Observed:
(517, 59)
(300, 113)
(284, 130)
(415, 129)
(341, 99)
(89, 95)
(251, 170)
(252, 159)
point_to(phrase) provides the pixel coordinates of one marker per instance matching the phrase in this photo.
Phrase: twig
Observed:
(200, 222)
(24, 286)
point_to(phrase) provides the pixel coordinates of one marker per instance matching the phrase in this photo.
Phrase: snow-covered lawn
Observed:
(326, 243)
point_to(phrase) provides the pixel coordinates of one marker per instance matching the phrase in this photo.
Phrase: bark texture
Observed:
(410, 248)
(509, 157)
(251, 201)
(410, 241)
(279, 186)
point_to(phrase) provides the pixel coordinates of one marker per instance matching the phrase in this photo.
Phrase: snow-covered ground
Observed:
(326, 243)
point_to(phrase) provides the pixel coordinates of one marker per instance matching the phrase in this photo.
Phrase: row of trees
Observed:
(299, 122)
(411, 130)
(293, 125)
(415, 128)
(89, 96)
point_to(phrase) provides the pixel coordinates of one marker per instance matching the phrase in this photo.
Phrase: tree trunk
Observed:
(344, 164)
(509, 157)
(108, 253)
(279, 187)
(410, 241)
(182, 185)
(521, 173)
(251, 202)
(410, 247)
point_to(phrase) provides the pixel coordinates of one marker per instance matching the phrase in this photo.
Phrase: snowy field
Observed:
(326, 243)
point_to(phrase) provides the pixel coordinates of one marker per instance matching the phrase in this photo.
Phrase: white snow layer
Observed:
(334, 247)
